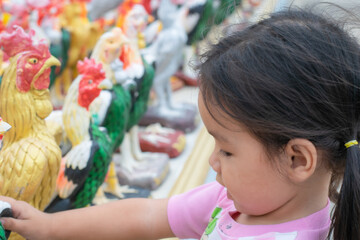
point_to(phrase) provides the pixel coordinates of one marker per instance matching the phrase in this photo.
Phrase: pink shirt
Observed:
(205, 212)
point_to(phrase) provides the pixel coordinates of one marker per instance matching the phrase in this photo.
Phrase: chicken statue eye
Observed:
(33, 61)
(90, 81)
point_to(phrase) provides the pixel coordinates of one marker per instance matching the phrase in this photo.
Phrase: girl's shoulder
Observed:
(189, 213)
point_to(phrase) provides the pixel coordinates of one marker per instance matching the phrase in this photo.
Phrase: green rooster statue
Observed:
(100, 131)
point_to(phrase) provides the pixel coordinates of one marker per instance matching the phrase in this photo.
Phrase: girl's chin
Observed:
(229, 196)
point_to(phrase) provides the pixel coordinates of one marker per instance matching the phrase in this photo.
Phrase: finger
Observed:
(10, 223)
(19, 208)
(14, 225)
(28, 228)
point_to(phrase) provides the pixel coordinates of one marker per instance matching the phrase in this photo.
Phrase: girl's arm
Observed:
(123, 219)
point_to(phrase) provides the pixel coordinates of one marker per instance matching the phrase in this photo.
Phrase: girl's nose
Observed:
(214, 162)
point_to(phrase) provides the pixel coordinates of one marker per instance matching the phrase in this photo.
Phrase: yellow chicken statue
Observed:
(29, 158)
(83, 37)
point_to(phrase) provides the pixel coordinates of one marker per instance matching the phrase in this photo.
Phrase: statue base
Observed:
(184, 118)
(163, 140)
(148, 174)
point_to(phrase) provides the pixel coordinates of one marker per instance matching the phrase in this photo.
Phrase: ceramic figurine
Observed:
(126, 76)
(112, 113)
(139, 168)
(166, 51)
(83, 36)
(30, 157)
(155, 138)
(85, 165)
(107, 52)
(133, 23)
(127, 10)
(136, 167)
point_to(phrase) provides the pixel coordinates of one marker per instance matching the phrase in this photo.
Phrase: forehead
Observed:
(215, 119)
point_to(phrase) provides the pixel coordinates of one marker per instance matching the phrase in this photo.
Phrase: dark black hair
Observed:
(295, 75)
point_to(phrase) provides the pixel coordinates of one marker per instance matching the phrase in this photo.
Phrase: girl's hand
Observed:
(28, 221)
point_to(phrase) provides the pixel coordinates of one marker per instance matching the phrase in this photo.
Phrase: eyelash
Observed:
(224, 153)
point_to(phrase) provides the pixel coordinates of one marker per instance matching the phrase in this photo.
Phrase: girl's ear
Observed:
(301, 159)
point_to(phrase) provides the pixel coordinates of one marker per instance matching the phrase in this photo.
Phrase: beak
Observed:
(105, 84)
(4, 127)
(52, 61)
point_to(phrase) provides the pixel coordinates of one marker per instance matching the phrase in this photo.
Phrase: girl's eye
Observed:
(224, 153)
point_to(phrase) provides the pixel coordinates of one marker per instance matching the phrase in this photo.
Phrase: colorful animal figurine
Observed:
(85, 165)
(30, 157)
(83, 36)
(129, 73)
(112, 114)
(107, 52)
(166, 51)
(134, 163)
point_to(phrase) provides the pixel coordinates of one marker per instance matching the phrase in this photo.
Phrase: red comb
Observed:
(90, 67)
(16, 40)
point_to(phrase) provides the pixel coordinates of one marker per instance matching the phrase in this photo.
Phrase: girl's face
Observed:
(253, 182)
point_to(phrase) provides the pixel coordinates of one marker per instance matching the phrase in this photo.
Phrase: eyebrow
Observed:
(218, 136)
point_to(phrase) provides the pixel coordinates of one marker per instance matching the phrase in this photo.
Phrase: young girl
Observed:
(281, 98)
